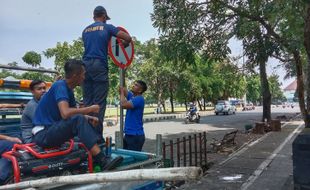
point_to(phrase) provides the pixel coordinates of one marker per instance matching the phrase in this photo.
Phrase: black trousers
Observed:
(133, 142)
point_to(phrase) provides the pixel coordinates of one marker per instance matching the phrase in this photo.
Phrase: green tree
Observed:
(65, 51)
(152, 70)
(207, 26)
(32, 58)
(13, 64)
(189, 88)
(253, 92)
(281, 36)
(276, 92)
(37, 76)
(7, 72)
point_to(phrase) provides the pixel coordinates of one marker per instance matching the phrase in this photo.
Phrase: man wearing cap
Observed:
(96, 38)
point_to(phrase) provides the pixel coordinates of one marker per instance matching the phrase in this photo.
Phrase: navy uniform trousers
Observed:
(96, 87)
(60, 132)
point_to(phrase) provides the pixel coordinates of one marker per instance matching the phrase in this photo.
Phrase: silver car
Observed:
(224, 107)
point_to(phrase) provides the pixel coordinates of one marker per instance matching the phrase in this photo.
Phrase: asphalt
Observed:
(156, 117)
(265, 164)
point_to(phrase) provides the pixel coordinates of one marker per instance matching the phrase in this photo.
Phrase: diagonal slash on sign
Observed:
(123, 49)
(116, 46)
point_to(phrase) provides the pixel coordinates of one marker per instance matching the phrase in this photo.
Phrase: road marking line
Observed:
(266, 163)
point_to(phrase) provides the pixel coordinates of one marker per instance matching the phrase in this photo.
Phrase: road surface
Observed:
(215, 125)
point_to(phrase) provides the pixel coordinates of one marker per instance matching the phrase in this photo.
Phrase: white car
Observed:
(224, 107)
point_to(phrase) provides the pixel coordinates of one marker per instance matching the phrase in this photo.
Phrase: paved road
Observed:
(215, 125)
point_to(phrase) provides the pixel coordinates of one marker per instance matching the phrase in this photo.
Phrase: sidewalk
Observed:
(263, 164)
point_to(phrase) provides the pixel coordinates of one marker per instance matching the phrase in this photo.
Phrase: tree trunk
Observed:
(185, 102)
(171, 101)
(225, 96)
(300, 85)
(307, 110)
(159, 102)
(164, 106)
(265, 91)
(307, 46)
(159, 95)
(200, 108)
(204, 104)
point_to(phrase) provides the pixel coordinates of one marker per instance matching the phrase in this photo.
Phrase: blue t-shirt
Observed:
(134, 116)
(96, 39)
(47, 111)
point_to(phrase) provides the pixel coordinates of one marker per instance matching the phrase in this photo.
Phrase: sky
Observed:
(36, 25)
(27, 25)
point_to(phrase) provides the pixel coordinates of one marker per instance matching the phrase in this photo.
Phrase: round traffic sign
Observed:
(120, 55)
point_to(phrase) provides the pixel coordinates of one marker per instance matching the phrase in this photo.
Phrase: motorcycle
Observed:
(192, 117)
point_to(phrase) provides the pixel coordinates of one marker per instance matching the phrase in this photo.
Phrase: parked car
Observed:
(247, 107)
(224, 107)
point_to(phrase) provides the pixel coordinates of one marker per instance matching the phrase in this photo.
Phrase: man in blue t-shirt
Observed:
(57, 119)
(96, 38)
(133, 101)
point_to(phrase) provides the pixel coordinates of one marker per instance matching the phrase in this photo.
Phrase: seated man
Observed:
(6, 144)
(37, 88)
(57, 119)
(133, 101)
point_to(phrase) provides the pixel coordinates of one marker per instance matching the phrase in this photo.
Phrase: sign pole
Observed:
(121, 124)
(122, 57)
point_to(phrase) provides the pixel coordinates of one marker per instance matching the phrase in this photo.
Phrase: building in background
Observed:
(290, 90)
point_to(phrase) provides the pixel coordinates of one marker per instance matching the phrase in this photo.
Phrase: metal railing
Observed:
(187, 151)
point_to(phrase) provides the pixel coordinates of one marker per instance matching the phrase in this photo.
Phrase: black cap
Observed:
(99, 11)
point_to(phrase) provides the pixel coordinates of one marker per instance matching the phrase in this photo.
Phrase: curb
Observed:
(159, 118)
(112, 122)
(167, 117)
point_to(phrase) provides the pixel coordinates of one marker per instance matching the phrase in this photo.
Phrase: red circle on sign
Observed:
(129, 58)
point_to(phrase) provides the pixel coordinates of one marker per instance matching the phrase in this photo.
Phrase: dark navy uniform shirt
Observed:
(47, 111)
(96, 39)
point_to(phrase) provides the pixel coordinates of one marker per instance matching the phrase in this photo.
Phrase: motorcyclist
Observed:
(192, 109)
(192, 114)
